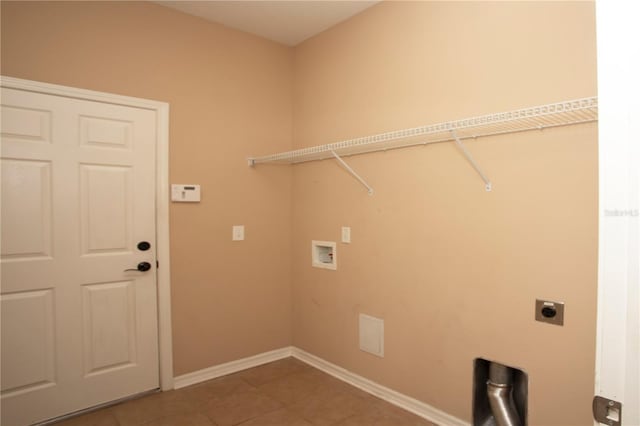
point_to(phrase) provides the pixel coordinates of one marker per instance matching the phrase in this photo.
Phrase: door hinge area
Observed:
(607, 411)
(157, 264)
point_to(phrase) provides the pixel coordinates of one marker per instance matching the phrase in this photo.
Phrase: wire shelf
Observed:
(576, 111)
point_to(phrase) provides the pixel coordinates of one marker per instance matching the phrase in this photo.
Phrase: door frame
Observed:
(618, 321)
(163, 272)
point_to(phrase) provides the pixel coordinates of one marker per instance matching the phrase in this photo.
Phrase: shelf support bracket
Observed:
(467, 154)
(353, 173)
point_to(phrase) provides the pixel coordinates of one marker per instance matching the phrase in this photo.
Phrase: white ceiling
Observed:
(286, 22)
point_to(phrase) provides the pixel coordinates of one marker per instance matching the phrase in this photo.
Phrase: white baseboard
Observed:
(230, 367)
(396, 398)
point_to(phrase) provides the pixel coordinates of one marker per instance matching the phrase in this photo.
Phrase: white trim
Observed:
(396, 398)
(76, 93)
(230, 367)
(162, 199)
(165, 336)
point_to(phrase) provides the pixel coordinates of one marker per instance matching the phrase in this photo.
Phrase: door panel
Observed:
(26, 124)
(106, 209)
(31, 365)
(78, 193)
(105, 133)
(26, 209)
(109, 344)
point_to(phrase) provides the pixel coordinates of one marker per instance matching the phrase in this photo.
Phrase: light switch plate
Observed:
(237, 233)
(346, 234)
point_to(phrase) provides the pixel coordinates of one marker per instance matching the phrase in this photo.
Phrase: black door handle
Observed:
(142, 267)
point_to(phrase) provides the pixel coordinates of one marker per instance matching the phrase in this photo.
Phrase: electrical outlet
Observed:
(550, 312)
(238, 233)
(346, 234)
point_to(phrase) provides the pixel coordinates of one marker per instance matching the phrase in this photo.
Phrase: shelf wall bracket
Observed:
(467, 154)
(353, 173)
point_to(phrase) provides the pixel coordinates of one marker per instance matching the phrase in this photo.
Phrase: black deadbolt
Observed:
(144, 246)
(548, 312)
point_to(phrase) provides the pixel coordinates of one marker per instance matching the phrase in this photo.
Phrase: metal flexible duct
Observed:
(499, 393)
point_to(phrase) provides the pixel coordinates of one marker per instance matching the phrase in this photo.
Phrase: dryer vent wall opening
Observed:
(499, 394)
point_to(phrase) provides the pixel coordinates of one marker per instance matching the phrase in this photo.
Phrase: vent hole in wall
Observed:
(372, 335)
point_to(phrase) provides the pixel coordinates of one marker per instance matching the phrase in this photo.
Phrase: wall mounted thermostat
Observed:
(185, 193)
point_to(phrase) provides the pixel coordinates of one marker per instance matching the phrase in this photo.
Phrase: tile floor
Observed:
(282, 393)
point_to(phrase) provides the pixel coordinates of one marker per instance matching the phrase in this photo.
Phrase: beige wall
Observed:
(453, 270)
(230, 97)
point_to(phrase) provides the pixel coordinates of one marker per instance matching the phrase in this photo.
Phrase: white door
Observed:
(78, 196)
(618, 342)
